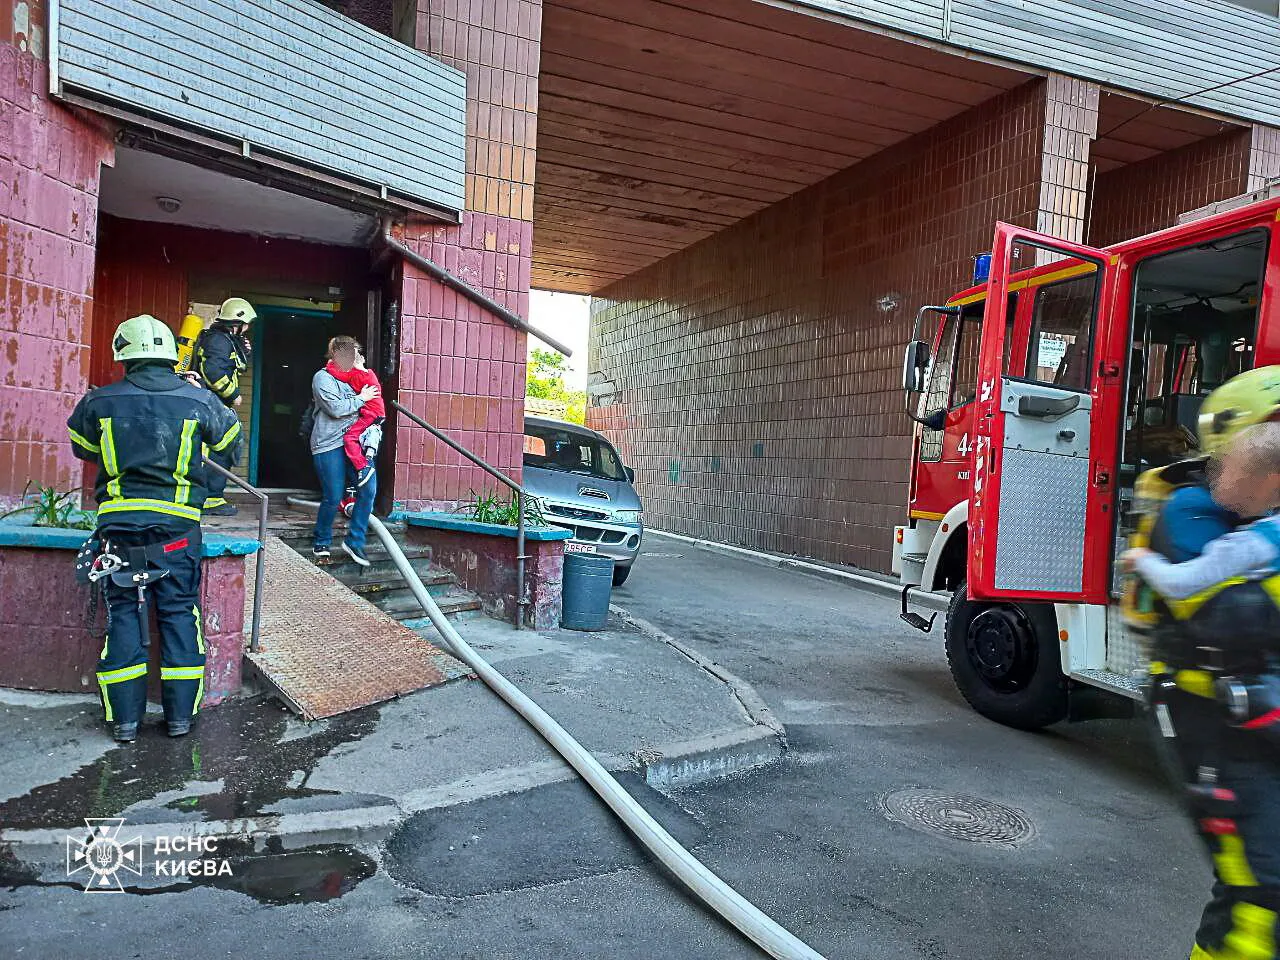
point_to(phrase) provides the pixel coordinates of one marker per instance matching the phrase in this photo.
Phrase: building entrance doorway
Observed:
(288, 348)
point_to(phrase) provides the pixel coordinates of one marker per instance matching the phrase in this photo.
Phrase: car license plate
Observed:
(571, 547)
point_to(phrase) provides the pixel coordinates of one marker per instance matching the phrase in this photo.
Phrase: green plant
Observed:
(490, 508)
(53, 509)
(546, 381)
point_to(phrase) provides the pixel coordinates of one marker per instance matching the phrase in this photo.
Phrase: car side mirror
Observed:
(915, 365)
(631, 474)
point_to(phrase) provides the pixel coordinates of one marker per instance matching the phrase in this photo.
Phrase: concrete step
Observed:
(452, 603)
(384, 588)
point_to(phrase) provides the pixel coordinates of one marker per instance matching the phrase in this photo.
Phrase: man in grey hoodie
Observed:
(336, 407)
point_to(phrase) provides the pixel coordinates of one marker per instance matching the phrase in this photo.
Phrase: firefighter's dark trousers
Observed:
(1243, 837)
(122, 671)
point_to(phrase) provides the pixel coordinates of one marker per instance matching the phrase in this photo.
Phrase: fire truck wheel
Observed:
(1004, 658)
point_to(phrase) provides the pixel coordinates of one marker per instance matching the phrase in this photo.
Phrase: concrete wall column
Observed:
(463, 369)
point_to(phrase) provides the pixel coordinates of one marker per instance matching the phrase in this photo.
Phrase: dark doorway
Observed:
(289, 347)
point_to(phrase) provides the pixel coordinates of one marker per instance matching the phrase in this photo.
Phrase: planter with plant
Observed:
(49, 508)
(491, 508)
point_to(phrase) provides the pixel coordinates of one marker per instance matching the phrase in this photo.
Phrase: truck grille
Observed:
(576, 513)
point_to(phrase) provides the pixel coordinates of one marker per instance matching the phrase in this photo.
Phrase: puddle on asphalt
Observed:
(237, 743)
(307, 875)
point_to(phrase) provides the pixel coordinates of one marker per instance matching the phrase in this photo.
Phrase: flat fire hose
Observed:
(752, 922)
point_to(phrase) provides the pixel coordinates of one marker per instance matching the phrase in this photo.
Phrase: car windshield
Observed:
(557, 448)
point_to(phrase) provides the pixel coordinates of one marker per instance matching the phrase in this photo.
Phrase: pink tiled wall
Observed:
(49, 170)
(462, 369)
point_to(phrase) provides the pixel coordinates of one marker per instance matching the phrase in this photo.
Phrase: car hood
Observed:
(567, 488)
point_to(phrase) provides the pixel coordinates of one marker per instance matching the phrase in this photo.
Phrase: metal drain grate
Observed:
(957, 817)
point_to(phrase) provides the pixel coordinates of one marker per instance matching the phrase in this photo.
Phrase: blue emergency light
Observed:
(981, 268)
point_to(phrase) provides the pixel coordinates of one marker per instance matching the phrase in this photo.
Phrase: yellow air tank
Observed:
(187, 335)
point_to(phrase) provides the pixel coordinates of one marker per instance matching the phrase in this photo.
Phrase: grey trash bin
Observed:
(587, 586)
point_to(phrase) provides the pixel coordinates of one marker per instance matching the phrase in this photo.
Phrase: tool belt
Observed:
(131, 565)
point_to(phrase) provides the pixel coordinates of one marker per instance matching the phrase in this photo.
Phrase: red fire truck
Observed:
(1043, 394)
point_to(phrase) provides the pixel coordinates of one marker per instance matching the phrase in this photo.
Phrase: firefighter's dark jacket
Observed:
(220, 360)
(146, 434)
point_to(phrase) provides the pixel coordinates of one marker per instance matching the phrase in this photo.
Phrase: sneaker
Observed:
(364, 475)
(223, 509)
(356, 554)
(179, 728)
(125, 732)
(321, 553)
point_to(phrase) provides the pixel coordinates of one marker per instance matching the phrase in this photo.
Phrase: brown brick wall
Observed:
(756, 377)
(1149, 195)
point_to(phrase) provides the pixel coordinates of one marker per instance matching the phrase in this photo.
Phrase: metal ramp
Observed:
(324, 650)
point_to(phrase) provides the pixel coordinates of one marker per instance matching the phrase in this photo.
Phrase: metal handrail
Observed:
(519, 491)
(478, 297)
(262, 547)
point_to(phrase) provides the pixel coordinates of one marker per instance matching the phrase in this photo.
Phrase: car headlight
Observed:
(628, 516)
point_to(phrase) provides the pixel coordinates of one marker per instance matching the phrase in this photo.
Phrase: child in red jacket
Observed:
(373, 412)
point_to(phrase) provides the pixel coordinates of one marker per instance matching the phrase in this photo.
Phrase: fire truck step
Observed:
(1118, 683)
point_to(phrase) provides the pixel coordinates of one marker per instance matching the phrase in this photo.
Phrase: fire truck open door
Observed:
(1039, 514)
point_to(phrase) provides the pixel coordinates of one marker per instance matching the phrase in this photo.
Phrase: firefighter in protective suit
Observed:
(221, 356)
(145, 434)
(1216, 685)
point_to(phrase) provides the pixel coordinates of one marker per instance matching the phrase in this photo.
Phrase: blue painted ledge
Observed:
(451, 521)
(57, 538)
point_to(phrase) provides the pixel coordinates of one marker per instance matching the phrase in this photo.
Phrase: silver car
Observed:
(581, 483)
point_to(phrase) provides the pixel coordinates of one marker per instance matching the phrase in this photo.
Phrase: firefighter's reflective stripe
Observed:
(1233, 865)
(228, 438)
(1251, 937)
(195, 612)
(110, 462)
(182, 490)
(1197, 682)
(128, 504)
(118, 676)
(182, 673)
(1187, 608)
(83, 442)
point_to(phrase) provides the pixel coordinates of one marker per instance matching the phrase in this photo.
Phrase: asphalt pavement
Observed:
(897, 824)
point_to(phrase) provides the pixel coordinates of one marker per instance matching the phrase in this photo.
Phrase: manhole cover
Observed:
(958, 817)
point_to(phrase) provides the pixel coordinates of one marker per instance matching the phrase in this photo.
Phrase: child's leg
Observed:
(351, 441)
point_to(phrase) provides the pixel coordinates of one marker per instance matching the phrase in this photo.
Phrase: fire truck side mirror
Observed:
(915, 366)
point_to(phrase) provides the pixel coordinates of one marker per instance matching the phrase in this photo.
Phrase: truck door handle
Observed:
(1039, 405)
(1066, 435)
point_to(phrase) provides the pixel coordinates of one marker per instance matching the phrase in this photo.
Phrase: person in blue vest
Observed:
(146, 435)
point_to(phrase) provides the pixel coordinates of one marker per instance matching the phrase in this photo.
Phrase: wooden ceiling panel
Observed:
(664, 121)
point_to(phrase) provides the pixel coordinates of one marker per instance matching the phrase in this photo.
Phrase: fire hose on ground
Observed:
(753, 923)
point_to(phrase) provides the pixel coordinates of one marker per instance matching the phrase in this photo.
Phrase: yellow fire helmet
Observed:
(143, 338)
(1250, 398)
(236, 310)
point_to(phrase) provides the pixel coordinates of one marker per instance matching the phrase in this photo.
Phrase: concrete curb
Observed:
(43, 852)
(865, 580)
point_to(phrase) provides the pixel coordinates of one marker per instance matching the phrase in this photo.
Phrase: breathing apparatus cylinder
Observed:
(188, 333)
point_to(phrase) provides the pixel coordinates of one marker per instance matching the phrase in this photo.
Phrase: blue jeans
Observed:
(335, 473)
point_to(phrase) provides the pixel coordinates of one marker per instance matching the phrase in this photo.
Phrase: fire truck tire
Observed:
(1004, 659)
